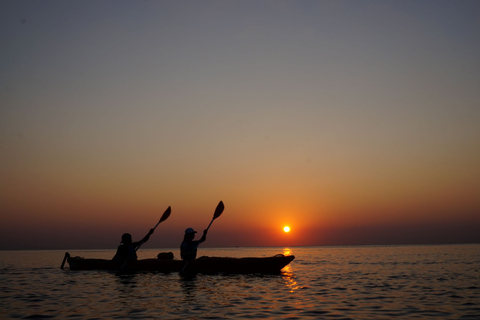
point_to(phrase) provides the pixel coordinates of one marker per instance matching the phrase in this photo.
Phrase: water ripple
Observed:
(429, 282)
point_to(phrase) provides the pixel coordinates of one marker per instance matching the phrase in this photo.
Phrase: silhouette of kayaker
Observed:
(188, 248)
(128, 249)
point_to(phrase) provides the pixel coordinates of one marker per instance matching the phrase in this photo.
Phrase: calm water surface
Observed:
(386, 282)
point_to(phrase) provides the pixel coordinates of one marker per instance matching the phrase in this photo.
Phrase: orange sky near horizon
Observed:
(350, 122)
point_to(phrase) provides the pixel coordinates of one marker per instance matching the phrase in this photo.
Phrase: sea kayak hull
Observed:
(201, 265)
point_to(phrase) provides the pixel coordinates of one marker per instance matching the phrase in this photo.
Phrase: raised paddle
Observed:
(218, 212)
(164, 217)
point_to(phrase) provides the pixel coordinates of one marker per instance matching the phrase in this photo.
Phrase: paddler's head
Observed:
(126, 238)
(189, 234)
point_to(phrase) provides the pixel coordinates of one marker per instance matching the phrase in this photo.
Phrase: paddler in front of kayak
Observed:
(127, 251)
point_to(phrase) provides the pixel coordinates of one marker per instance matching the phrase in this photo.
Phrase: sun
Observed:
(286, 229)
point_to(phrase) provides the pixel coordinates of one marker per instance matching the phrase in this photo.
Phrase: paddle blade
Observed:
(218, 210)
(166, 214)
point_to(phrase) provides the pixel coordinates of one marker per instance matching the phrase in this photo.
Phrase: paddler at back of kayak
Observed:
(128, 249)
(188, 248)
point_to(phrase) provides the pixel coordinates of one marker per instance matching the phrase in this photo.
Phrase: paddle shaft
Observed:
(164, 217)
(157, 225)
(210, 224)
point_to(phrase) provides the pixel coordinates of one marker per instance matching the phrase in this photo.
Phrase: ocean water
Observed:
(364, 282)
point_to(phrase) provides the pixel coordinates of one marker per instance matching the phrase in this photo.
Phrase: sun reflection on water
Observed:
(288, 275)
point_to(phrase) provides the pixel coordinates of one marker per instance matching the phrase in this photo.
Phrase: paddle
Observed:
(164, 217)
(218, 212)
(67, 255)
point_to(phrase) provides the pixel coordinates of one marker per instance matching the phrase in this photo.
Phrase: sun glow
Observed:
(286, 229)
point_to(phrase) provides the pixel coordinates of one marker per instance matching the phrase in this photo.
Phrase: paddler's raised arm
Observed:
(145, 239)
(204, 236)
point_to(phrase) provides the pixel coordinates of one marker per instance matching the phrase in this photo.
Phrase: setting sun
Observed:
(286, 229)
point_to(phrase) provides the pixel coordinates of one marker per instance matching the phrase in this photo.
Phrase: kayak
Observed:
(206, 265)
(201, 265)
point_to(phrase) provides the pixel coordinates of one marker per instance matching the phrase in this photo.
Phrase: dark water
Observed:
(387, 282)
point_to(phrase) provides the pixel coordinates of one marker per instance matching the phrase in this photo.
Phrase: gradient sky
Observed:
(353, 122)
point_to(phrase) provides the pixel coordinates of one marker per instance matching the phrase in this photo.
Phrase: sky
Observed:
(352, 122)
